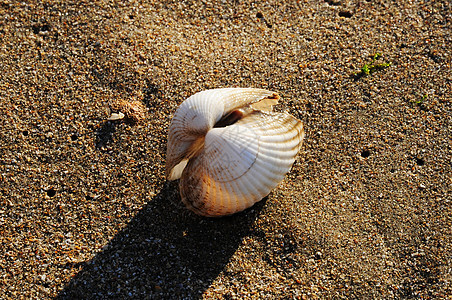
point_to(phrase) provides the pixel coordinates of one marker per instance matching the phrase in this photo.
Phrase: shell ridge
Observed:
(232, 151)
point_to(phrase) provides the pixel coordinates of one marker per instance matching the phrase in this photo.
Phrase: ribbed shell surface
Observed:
(240, 164)
(198, 114)
(224, 170)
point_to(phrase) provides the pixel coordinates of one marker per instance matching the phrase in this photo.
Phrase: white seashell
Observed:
(229, 149)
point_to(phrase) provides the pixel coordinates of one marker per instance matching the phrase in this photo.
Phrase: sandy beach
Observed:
(86, 211)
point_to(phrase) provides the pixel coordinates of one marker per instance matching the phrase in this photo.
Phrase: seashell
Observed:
(230, 149)
(132, 112)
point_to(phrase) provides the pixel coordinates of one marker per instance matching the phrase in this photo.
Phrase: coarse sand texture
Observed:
(86, 211)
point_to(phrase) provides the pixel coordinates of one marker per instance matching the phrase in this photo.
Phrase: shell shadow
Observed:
(164, 252)
(104, 134)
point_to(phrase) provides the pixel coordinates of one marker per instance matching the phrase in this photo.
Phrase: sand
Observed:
(86, 212)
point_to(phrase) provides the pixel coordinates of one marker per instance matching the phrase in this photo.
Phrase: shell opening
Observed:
(230, 119)
(265, 104)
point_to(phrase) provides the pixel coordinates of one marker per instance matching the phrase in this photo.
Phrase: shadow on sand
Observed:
(164, 252)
